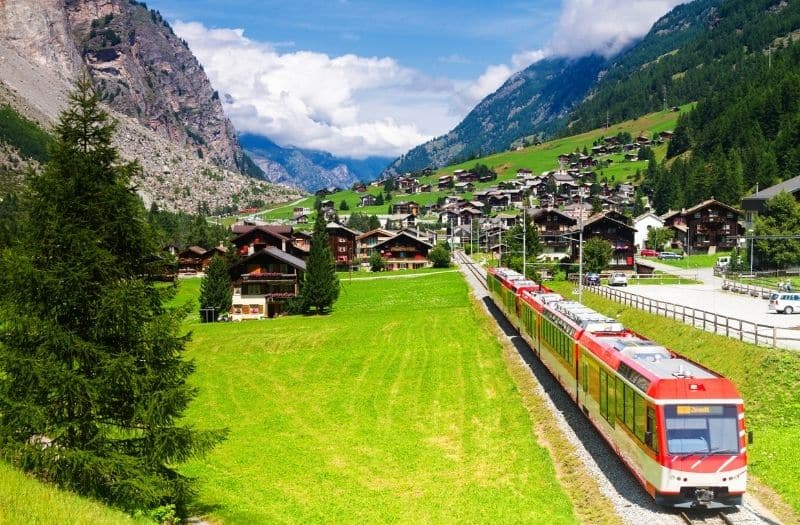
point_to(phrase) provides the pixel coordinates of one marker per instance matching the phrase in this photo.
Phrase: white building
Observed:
(643, 223)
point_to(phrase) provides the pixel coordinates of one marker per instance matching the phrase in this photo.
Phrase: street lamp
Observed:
(752, 242)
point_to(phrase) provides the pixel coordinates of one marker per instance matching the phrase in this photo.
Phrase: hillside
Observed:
(536, 102)
(538, 158)
(170, 119)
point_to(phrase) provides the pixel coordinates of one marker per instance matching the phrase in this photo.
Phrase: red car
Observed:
(647, 252)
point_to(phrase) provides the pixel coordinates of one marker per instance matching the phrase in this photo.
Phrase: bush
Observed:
(440, 257)
(376, 262)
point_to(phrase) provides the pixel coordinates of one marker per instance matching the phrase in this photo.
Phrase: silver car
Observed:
(618, 279)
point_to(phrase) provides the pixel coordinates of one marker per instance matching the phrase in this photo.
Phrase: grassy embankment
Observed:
(768, 379)
(540, 158)
(397, 407)
(25, 501)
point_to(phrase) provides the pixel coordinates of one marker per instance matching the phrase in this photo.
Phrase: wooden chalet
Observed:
(343, 243)
(263, 282)
(554, 230)
(406, 208)
(755, 204)
(464, 187)
(610, 226)
(220, 251)
(445, 182)
(367, 200)
(709, 224)
(190, 260)
(367, 241)
(404, 252)
(256, 238)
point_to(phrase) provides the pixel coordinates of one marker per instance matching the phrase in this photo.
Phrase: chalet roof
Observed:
(197, 250)
(711, 202)
(605, 216)
(789, 186)
(406, 235)
(269, 251)
(279, 229)
(400, 216)
(377, 231)
(271, 231)
(544, 211)
(336, 225)
(505, 216)
(646, 215)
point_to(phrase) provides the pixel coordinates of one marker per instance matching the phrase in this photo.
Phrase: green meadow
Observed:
(768, 379)
(397, 407)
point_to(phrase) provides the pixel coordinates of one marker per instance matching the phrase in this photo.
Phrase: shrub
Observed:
(440, 257)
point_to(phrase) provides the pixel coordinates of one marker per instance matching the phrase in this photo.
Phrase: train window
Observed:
(628, 406)
(585, 372)
(638, 417)
(652, 435)
(702, 429)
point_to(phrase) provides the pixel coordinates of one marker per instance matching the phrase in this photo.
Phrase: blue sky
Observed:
(360, 78)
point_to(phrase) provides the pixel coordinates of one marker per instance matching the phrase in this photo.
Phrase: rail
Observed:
(747, 331)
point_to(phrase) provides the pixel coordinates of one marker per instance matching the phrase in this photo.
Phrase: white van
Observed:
(723, 261)
(784, 302)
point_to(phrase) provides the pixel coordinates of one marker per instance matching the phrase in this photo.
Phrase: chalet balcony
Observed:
(268, 276)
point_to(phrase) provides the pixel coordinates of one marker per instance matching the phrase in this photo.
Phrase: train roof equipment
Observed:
(659, 361)
(586, 318)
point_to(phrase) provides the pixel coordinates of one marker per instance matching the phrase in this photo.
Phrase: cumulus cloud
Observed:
(312, 100)
(604, 26)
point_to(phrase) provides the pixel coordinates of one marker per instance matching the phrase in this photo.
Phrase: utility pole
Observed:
(524, 235)
(580, 249)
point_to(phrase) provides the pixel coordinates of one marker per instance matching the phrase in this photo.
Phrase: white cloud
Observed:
(347, 105)
(605, 26)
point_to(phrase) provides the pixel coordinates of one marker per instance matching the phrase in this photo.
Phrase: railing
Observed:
(271, 276)
(742, 330)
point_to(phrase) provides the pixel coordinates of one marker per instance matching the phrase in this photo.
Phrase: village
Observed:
(563, 205)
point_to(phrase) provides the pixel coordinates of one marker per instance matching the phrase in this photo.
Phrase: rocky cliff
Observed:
(171, 119)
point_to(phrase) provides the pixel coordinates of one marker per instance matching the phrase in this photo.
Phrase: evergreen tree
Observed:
(215, 289)
(321, 286)
(92, 375)
(374, 223)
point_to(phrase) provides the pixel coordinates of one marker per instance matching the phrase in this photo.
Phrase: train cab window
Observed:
(702, 429)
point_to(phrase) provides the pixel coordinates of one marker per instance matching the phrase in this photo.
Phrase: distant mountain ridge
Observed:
(308, 169)
(540, 100)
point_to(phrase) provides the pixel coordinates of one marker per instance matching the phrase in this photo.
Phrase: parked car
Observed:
(591, 279)
(647, 252)
(786, 303)
(618, 279)
(670, 255)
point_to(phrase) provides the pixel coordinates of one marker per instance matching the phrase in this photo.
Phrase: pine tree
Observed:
(321, 286)
(92, 378)
(215, 289)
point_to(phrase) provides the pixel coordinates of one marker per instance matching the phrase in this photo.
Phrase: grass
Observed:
(702, 260)
(344, 276)
(25, 501)
(768, 379)
(397, 407)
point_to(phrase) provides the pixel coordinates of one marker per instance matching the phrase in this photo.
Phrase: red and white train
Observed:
(678, 426)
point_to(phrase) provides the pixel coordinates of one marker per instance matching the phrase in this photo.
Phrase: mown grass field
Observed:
(769, 381)
(540, 158)
(397, 407)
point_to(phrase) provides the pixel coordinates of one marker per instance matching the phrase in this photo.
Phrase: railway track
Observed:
(706, 518)
(474, 268)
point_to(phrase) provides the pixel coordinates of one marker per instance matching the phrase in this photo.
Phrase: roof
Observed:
(271, 251)
(279, 229)
(274, 232)
(604, 215)
(710, 202)
(336, 225)
(790, 186)
(646, 215)
(197, 250)
(404, 234)
(376, 231)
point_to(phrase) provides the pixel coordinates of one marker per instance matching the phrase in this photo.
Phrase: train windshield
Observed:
(702, 429)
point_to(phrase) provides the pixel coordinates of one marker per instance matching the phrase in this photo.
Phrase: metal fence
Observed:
(740, 329)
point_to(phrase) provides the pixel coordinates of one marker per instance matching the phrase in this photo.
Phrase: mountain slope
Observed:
(537, 100)
(308, 169)
(170, 119)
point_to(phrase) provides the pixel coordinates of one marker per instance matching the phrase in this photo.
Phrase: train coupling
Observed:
(703, 497)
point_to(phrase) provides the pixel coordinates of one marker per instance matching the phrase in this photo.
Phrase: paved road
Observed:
(710, 296)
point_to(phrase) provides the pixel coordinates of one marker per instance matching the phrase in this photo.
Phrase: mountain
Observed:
(169, 117)
(539, 100)
(308, 169)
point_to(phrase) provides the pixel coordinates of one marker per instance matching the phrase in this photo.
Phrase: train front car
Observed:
(679, 425)
(703, 437)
